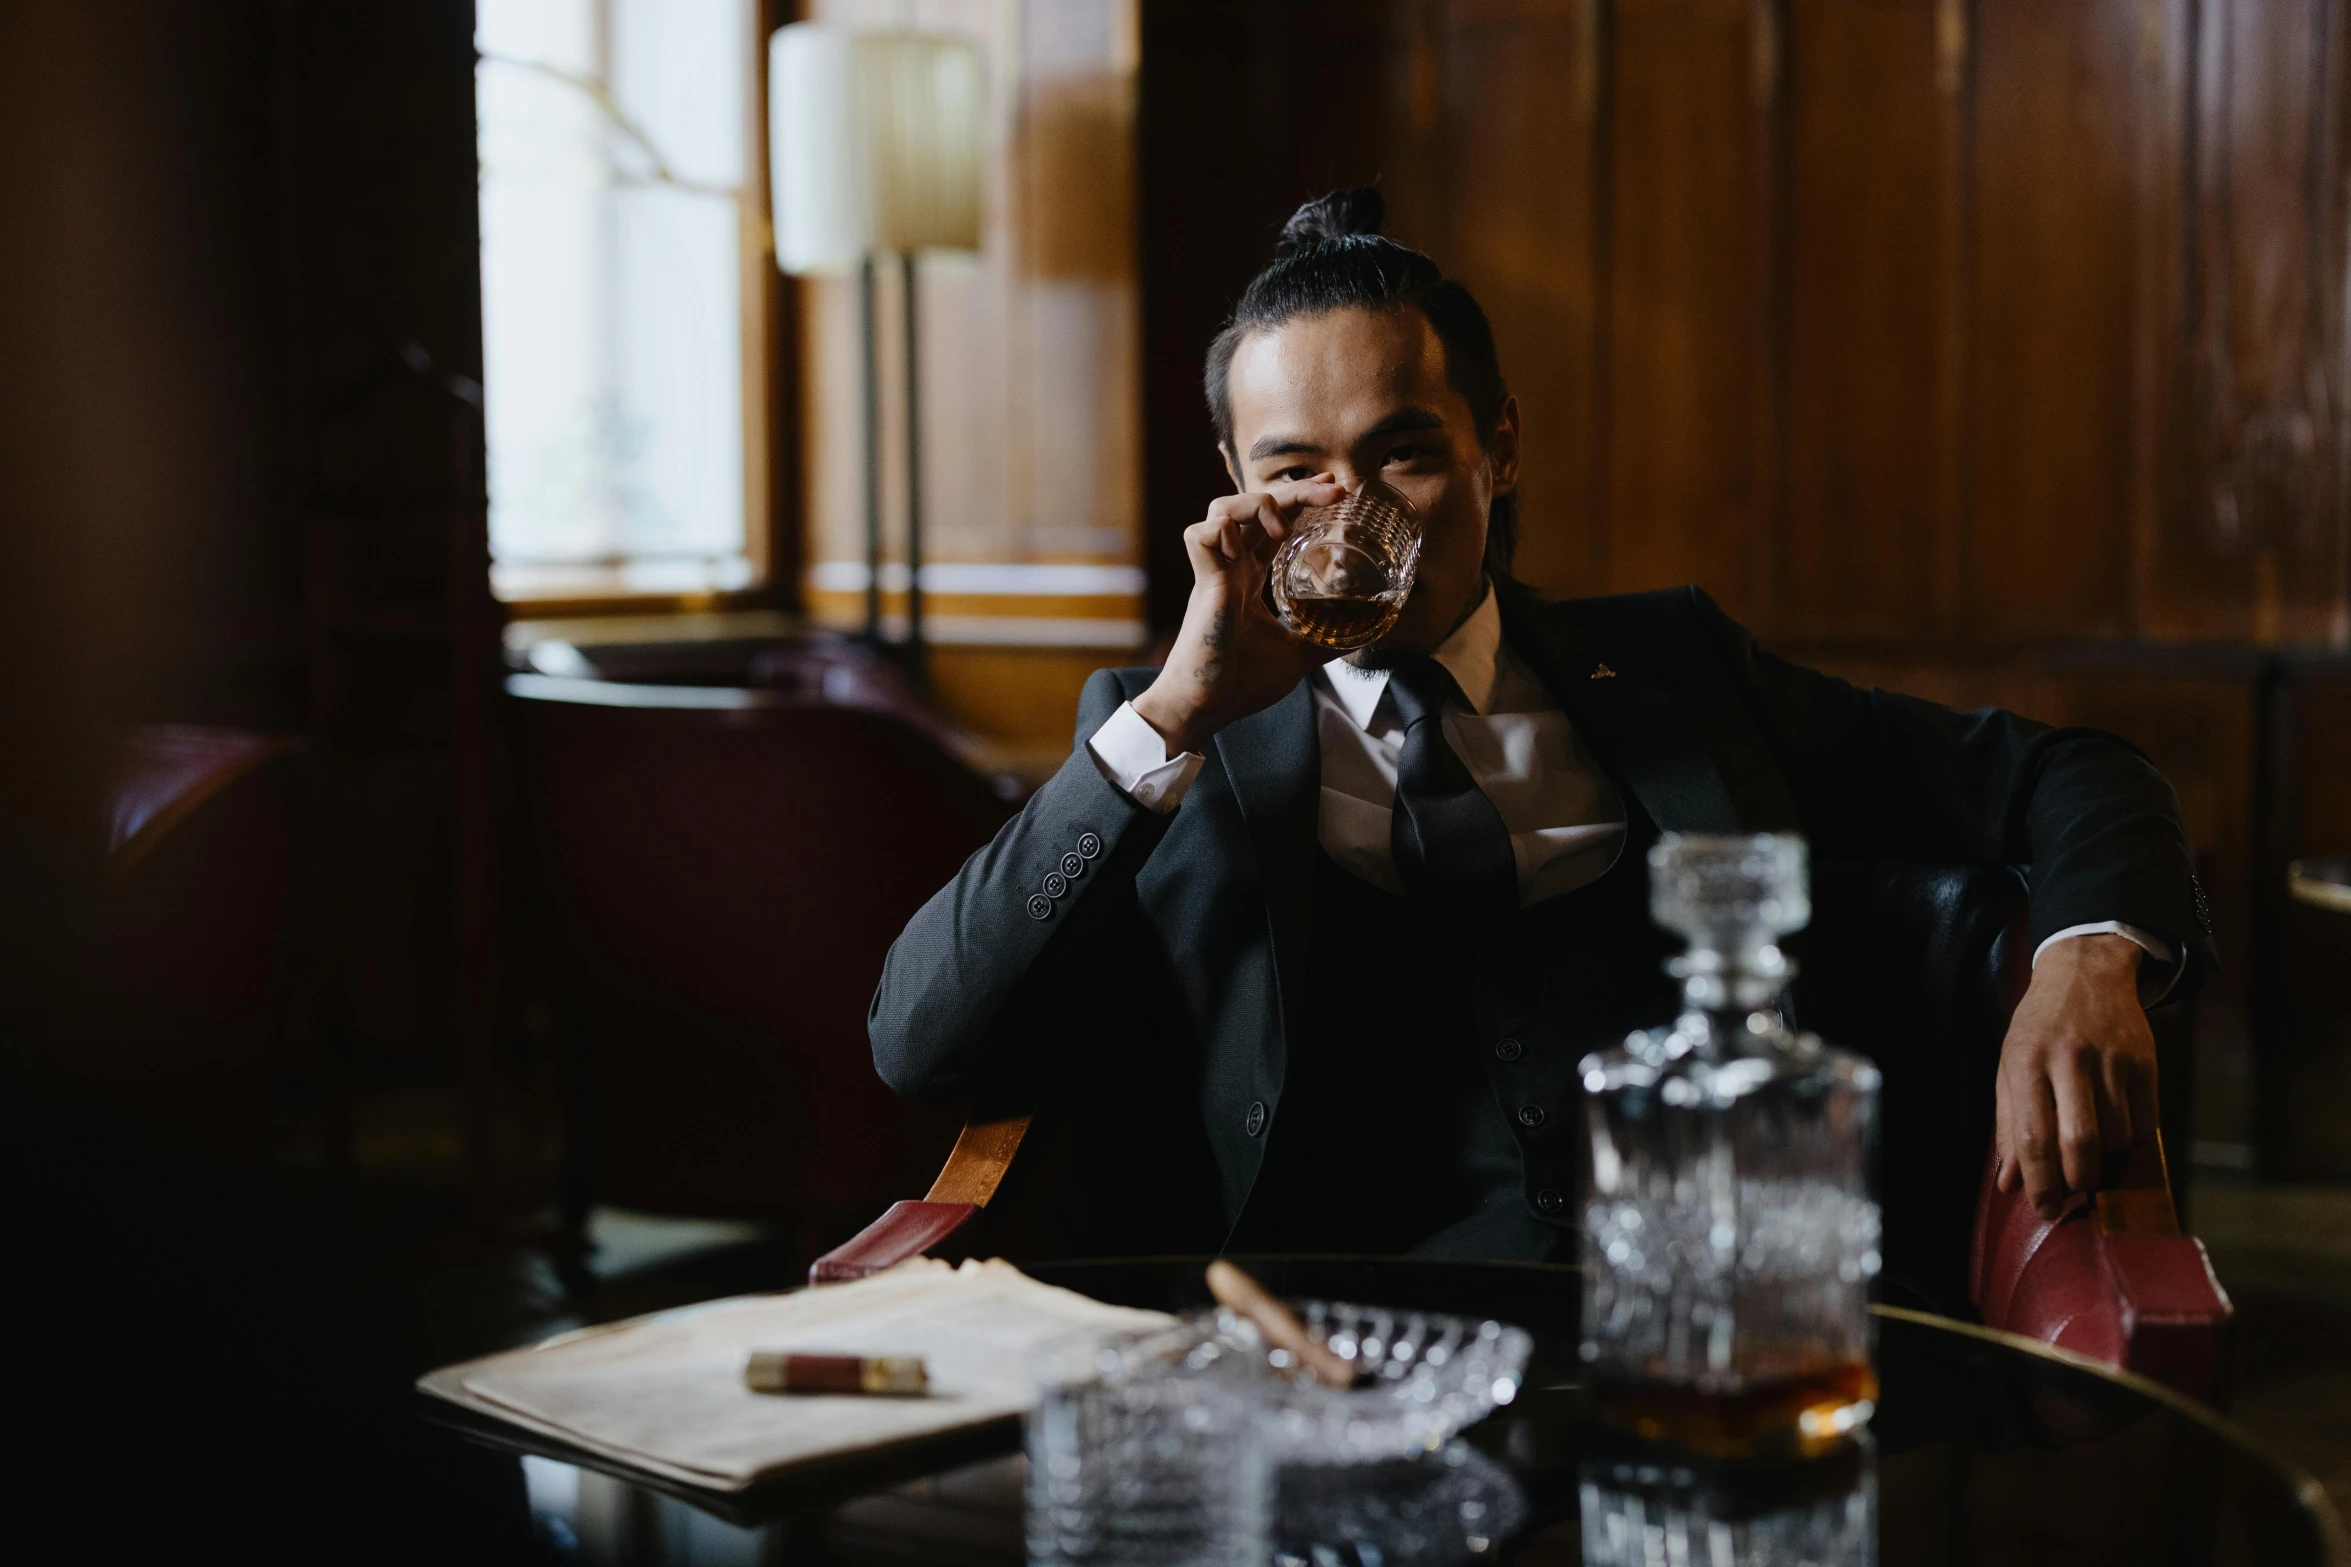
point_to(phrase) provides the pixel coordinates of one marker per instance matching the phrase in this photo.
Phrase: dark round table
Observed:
(1988, 1449)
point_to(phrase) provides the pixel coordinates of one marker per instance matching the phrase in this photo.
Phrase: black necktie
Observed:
(1451, 848)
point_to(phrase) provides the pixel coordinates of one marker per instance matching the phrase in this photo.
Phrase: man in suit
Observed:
(1307, 952)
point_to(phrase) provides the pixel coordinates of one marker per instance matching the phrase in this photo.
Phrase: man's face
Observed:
(1362, 394)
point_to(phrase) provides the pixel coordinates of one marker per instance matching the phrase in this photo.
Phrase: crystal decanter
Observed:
(1729, 1230)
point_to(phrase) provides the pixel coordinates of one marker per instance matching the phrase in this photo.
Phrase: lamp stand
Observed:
(913, 654)
(873, 453)
(914, 640)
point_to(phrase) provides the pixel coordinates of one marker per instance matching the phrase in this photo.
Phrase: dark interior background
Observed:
(1991, 349)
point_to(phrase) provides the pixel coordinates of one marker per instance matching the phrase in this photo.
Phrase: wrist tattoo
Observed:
(1212, 637)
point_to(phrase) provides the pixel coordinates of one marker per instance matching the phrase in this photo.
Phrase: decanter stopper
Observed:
(1732, 898)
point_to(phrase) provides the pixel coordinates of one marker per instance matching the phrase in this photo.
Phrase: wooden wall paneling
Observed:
(2334, 292)
(1766, 364)
(2258, 548)
(1205, 194)
(1077, 282)
(1340, 86)
(1413, 133)
(1023, 699)
(2051, 374)
(1680, 490)
(2202, 573)
(2166, 136)
(2274, 434)
(1522, 97)
(1873, 278)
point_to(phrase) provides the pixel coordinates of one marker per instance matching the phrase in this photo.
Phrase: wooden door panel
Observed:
(1684, 328)
(1521, 103)
(2053, 318)
(2257, 547)
(1872, 274)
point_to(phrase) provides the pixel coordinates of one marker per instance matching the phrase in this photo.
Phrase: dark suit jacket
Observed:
(1153, 992)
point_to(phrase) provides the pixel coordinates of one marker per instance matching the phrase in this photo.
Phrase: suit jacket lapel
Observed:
(1275, 765)
(1639, 734)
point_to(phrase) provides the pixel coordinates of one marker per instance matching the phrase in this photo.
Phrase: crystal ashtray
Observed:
(1421, 1377)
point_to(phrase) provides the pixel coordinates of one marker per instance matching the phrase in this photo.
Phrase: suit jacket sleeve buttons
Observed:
(1089, 845)
(1072, 865)
(1254, 1121)
(1055, 884)
(1040, 907)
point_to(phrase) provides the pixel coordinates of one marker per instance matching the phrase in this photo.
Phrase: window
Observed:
(619, 295)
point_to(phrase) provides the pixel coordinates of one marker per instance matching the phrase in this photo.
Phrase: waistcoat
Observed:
(1430, 1102)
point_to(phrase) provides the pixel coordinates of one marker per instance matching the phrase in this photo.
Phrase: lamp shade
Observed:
(874, 144)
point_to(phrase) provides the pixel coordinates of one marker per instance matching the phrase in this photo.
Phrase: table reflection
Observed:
(1639, 1510)
(1984, 1449)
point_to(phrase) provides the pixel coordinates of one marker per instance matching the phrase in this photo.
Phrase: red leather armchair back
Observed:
(200, 828)
(717, 874)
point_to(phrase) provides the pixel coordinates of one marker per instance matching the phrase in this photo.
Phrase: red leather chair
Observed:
(716, 874)
(2110, 1277)
(1921, 966)
(199, 831)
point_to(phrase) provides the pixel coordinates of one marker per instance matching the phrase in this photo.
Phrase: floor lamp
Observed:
(874, 146)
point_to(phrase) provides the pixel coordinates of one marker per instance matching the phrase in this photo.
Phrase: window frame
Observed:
(772, 463)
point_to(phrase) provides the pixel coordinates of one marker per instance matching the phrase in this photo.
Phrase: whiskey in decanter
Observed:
(1729, 1230)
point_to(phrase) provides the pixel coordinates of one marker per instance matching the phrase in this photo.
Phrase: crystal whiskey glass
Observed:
(1729, 1230)
(1341, 578)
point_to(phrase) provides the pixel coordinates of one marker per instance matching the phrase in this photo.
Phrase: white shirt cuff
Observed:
(1135, 760)
(2159, 979)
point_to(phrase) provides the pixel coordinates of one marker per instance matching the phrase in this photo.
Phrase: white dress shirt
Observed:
(1566, 823)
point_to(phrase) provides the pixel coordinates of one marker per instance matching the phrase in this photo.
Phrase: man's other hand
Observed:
(2077, 1071)
(1232, 656)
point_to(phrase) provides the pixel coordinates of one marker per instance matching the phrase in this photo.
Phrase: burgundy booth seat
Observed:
(199, 828)
(1920, 966)
(716, 873)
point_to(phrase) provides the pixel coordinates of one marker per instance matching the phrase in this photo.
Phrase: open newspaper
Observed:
(665, 1393)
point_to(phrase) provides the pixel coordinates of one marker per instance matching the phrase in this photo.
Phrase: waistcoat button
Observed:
(1531, 1116)
(1509, 1049)
(1254, 1121)
(1549, 1201)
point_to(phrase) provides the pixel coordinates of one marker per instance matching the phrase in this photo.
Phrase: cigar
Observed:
(777, 1371)
(1278, 1323)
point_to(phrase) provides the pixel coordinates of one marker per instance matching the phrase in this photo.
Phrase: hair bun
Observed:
(1357, 210)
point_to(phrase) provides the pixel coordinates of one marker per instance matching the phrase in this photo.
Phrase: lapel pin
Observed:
(1603, 672)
